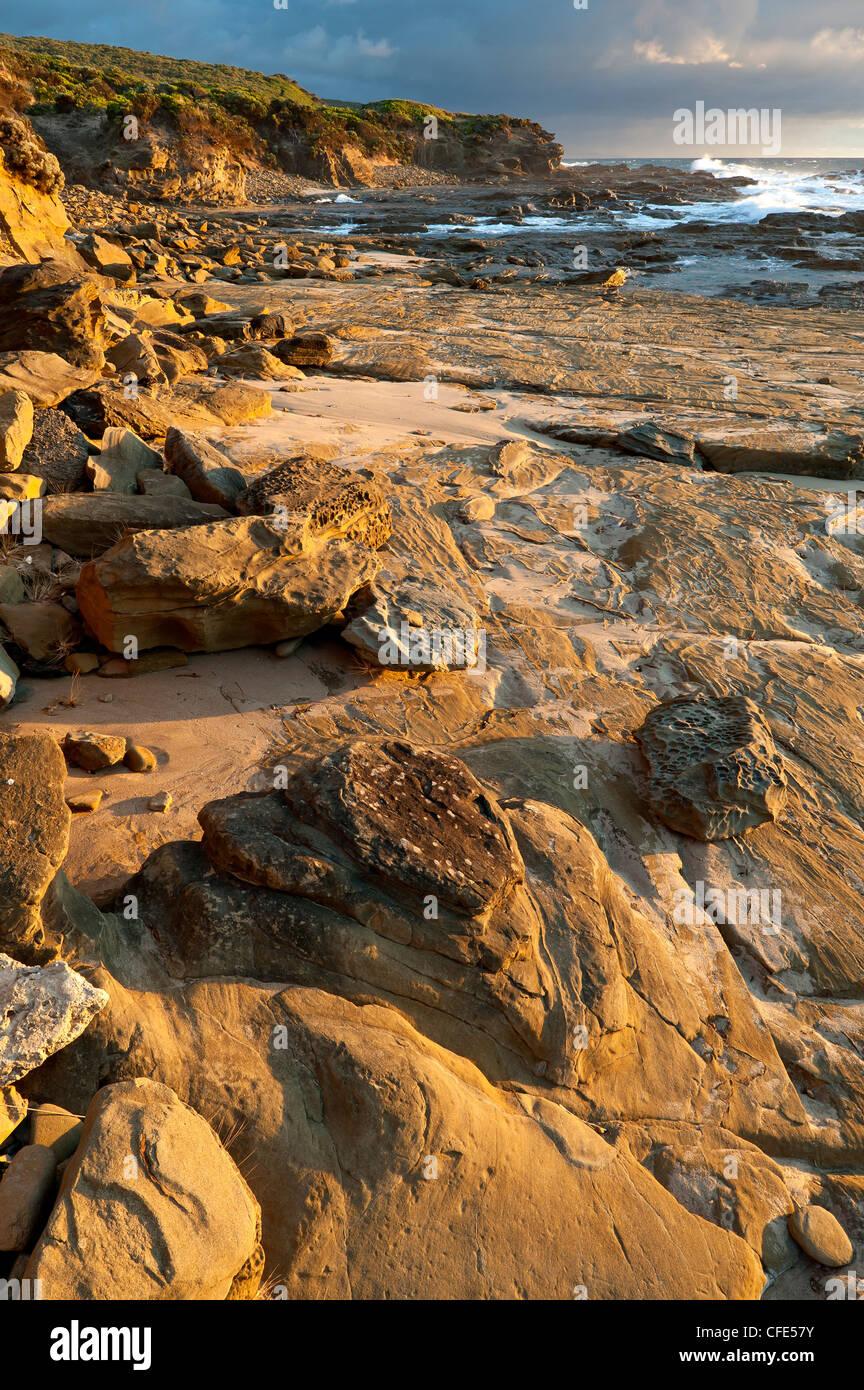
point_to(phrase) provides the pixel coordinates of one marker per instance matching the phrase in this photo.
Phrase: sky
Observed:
(607, 77)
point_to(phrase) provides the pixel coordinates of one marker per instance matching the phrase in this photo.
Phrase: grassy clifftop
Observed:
(262, 119)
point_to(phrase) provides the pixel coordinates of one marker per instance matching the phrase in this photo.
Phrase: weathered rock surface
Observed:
(32, 220)
(35, 831)
(220, 585)
(151, 1207)
(413, 625)
(42, 1008)
(45, 377)
(821, 1236)
(16, 427)
(714, 768)
(322, 498)
(88, 524)
(67, 318)
(57, 452)
(122, 457)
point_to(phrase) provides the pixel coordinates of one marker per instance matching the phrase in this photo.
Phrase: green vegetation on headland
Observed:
(250, 111)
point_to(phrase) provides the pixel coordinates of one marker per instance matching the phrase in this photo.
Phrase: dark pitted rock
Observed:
(88, 524)
(57, 452)
(220, 586)
(179, 1223)
(321, 496)
(271, 324)
(208, 474)
(306, 350)
(413, 817)
(714, 769)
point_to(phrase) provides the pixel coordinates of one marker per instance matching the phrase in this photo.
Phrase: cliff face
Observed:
(171, 129)
(32, 220)
(159, 161)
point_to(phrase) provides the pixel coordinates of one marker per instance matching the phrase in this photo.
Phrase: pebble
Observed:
(85, 801)
(162, 801)
(139, 759)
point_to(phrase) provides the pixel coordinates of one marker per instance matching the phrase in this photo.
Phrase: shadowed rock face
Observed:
(714, 769)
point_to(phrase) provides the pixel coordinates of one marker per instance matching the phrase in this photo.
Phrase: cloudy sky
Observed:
(605, 77)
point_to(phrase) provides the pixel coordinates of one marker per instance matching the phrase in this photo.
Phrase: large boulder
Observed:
(68, 319)
(91, 523)
(151, 1207)
(224, 585)
(34, 831)
(387, 871)
(714, 769)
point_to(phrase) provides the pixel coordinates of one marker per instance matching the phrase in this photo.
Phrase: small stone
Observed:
(821, 1236)
(162, 801)
(139, 759)
(287, 648)
(106, 699)
(85, 801)
(94, 752)
(25, 1194)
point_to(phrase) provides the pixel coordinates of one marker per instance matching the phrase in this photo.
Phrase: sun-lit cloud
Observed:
(705, 48)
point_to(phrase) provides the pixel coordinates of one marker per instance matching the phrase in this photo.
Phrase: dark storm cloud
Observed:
(606, 77)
